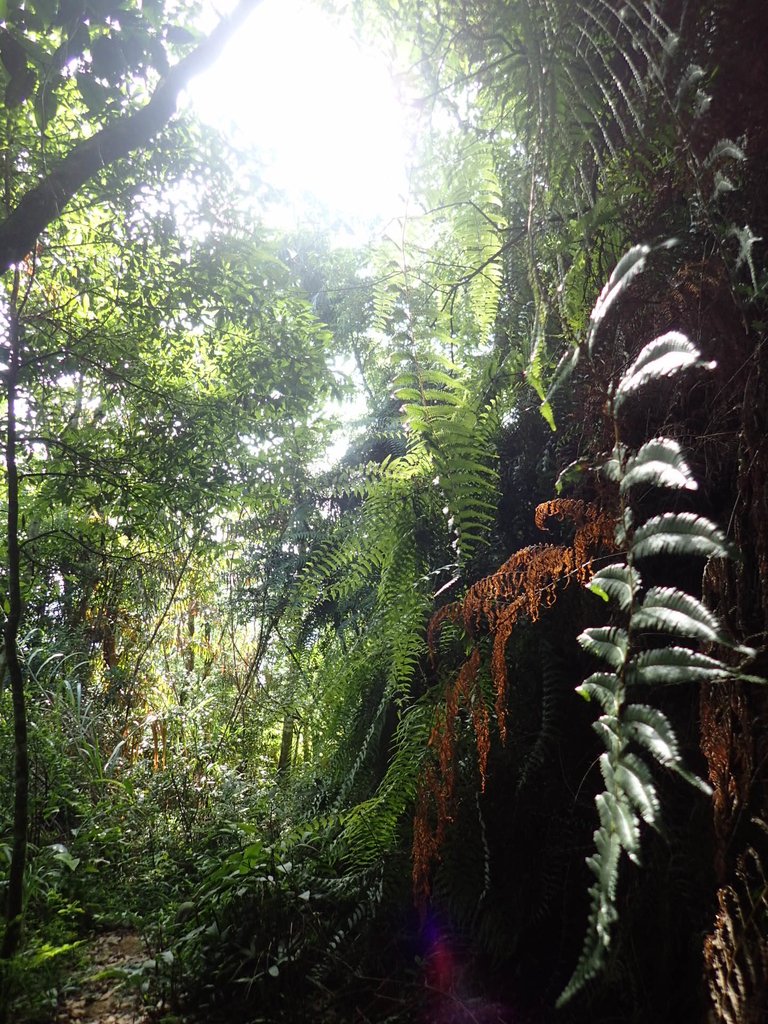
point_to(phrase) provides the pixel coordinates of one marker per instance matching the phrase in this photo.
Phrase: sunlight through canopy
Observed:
(322, 110)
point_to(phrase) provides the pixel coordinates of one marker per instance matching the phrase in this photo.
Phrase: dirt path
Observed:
(105, 994)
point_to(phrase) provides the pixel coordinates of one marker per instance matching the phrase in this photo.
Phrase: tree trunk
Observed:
(286, 745)
(14, 904)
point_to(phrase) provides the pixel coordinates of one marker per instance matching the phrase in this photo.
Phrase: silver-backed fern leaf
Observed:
(681, 533)
(607, 642)
(666, 666)
(658, 463)
(663, 357)
(668, 610)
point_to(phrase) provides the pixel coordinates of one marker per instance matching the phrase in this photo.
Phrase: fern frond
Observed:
(668, 666)
(605, 687)
(667, 610)
(658, 463)
(664, 357)
(604, 864)
(618, 582)
(457, 438)
(651, 729)
(629, 266)
(372, 828)
(630, 794)
(633, 778)
(681, 533)
(610, 643)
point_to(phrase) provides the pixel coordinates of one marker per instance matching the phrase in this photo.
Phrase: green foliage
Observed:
(231, 702)
(265, 915)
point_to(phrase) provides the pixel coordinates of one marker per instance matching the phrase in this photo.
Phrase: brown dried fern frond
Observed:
(563, 509)
(524, 585)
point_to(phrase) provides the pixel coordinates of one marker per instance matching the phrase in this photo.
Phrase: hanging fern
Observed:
(372, 827)
(524, 585)
(456, 433)
(637, 736)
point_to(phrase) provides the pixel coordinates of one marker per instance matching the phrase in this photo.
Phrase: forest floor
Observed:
(104, 991)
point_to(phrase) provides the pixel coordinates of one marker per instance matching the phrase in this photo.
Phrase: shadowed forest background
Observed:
(384, 624)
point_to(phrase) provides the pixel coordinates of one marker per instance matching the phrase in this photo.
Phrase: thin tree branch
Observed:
(45, 202)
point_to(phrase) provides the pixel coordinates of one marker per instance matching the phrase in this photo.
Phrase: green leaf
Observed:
(606, 867)
(691, 778)
(549, 417)
(407, 395)
(663, 357)
(651, 729)
(667, 610)
(603, 686)
(607, 642)
(673, 665)
(572, 472)
(658, 463)
(618, 582)
(613, 467)
(634, 778)
(607, 727)
(617, 816)
(63, 856)
(681, 533)
(724, 149)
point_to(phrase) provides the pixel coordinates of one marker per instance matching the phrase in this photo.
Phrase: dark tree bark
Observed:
(286, 744)
(45, 202)
(15, 894)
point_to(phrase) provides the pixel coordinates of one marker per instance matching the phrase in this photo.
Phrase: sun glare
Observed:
(323, 112)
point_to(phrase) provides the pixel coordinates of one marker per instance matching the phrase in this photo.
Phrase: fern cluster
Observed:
(455, 432)
(655, 638)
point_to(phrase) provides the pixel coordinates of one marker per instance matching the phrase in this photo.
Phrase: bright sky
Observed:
(324, 112)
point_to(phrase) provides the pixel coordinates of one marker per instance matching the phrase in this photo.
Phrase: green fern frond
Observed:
(373, 826)
(681, 533)
(629, 266)
(637, 736)
(664, 357)
(457, 438)
(610, 643)
(617, 582)
(658, 463)
(667, 610)
(554, 687)
(605, 688)
(668, 666)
